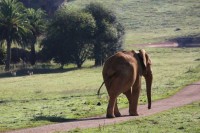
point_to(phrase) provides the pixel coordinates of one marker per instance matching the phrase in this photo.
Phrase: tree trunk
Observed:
(8, 56)
(79, 63)
(33, 55)
(62, 66)
(97, 62)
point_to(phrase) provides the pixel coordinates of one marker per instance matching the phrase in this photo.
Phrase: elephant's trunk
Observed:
(149, 79)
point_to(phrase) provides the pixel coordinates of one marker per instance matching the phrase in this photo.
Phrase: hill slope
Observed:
(154, 20)
(146, 21)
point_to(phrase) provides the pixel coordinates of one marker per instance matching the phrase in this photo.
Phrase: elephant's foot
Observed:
(118, 115)
(110, 116)
(133, 114)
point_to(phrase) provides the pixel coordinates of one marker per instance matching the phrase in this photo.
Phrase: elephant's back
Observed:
(120, 63)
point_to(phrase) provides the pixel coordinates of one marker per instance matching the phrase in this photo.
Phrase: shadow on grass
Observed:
(28, 72)
(188, 41)
(52, 119)
(2, 102)
(62, 120)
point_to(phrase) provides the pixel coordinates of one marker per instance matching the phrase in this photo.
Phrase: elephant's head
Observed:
(147, 73)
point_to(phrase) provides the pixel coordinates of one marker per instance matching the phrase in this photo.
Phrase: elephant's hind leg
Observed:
(116, 111)
(113, 89)
(111, 106)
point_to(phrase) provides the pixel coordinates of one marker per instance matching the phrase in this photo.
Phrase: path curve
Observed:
(187, 95)
(168, 44)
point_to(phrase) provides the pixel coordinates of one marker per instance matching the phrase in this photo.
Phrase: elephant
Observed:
(122, 73)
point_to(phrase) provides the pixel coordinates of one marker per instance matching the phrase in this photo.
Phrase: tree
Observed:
(36, 18)
(50, 6)
(108, 37)
(69, 36)
(2, 55)
(14, 25)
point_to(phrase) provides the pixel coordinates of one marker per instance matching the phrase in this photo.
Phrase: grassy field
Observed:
(148, 21)
(59, 96)
(184, 119)
(52, 95)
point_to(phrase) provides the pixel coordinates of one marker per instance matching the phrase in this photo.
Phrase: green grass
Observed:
(58, 96)
(148, 21)
(51, 96)
(184, 119)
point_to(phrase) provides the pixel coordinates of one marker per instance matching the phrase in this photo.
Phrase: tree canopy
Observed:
(14, 25)
(108, 36)
(75, 35)
(69, 36)
(38, 24)
(72, 36)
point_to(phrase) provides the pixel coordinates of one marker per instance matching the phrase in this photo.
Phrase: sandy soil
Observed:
(187, 95)
(159, 45)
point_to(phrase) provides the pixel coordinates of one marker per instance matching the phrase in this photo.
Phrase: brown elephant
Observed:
(122, 73)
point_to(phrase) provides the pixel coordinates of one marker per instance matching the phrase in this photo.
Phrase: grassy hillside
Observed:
(50, 96)
(154, 20)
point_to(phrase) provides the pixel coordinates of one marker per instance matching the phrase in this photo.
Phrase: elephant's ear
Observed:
(145, 57)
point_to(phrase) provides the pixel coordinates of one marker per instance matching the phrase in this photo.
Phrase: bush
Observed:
(18, 55)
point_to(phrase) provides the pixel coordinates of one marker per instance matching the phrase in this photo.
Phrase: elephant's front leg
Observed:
(135, 97)
(111, 107)
(130, 100)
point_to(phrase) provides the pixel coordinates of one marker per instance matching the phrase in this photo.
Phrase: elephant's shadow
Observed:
(62, 119)
(53, 119)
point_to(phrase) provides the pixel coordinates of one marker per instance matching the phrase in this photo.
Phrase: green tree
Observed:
(69, 36)
(14, 25)
(108, 37)
(38, 23)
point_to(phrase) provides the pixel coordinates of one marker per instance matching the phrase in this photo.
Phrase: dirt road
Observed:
(187, 95)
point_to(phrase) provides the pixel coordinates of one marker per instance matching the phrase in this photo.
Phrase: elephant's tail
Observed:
(98, 93)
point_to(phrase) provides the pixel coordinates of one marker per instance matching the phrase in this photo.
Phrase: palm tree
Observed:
(36, 18)
(14, 25)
